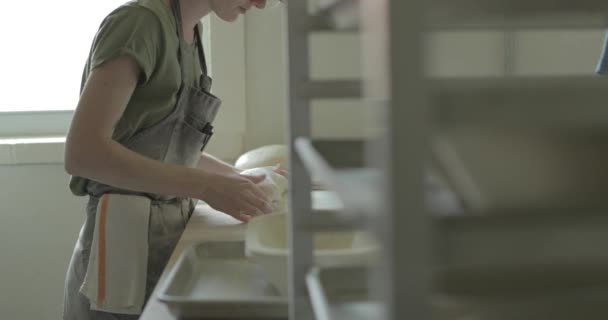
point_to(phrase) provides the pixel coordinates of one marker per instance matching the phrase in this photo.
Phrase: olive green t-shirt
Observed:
(144, 30)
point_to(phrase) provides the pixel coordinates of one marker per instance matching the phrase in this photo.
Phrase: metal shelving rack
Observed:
(423, 254)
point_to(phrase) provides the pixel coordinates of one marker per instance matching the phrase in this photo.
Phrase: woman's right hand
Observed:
(236, 195)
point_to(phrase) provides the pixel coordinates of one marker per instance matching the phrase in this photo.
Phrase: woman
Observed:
(134, 147)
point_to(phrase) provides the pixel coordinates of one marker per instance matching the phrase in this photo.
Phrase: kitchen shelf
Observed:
(520, 251)
(356, 188)
(522, 101)
(457, 251)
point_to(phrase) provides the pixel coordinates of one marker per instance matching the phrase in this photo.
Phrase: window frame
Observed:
(19, 127)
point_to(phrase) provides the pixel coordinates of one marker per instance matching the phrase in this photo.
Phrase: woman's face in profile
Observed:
(229, 10)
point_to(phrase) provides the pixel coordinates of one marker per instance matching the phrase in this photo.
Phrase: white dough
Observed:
(268, 156)
(274, 185)
(265, 156)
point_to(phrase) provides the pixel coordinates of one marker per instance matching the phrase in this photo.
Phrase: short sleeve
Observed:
(132, 31)
(602, 65)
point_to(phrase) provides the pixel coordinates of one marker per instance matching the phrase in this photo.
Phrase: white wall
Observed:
(227, 67)
(331, 56)
(39, 223)
(265, 74)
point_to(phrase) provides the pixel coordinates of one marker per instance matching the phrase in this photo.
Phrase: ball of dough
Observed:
(266, 156)
(274, 185)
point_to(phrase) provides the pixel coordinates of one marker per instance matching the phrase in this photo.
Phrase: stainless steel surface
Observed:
(215, 280)
(208, 225)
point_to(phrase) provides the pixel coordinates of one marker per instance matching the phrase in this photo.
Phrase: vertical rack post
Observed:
(393, 42)
(300, 238)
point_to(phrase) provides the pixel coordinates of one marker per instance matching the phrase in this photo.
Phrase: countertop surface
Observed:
(207, 224)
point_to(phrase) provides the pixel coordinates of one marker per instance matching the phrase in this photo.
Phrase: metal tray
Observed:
(342, 293)
(215, 280)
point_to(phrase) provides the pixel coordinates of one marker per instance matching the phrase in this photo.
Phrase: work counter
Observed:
(207, 224)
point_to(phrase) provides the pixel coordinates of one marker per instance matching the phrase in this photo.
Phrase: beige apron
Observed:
(179, 139)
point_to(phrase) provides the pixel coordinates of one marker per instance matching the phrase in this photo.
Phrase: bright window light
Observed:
(45, 47)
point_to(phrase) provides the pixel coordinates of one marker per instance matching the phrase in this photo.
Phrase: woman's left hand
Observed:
(278, 169)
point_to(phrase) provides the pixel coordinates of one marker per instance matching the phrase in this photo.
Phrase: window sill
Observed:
(50, 149)
(34, 150)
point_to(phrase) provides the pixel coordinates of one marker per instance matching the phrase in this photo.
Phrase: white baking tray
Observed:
(343, 292)
(215, 280)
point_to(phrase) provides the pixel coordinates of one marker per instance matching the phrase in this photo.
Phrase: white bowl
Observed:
(266, 244)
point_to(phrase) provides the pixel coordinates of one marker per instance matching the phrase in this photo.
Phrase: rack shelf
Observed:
(497, 10)
(487, 256)
(520, 251)
(582, 21)
(356, 188)
(522, 101)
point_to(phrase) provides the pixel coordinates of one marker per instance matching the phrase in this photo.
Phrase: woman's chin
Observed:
(229, 17)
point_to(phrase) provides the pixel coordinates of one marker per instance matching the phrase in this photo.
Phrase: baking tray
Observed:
(342, 293)
(215, 280)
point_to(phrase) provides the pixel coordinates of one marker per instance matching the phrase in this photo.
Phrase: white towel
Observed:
(116, 274)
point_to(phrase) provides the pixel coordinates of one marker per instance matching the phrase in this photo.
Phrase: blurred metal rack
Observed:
(424, 254)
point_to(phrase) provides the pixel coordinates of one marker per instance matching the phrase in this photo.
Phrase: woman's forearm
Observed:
(111, 163)
(210, 163)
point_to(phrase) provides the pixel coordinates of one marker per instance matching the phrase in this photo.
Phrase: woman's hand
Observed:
(236, 195)
(278, 169)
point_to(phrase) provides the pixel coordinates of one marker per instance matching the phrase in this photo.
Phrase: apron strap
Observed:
(175, 7)
(201, 50)
(177, 14)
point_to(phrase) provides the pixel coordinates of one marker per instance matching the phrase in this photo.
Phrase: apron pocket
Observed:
(187, 143)
(115, 280)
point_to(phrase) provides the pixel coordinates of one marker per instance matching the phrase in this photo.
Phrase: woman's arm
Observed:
(210, 163)
(91, 152)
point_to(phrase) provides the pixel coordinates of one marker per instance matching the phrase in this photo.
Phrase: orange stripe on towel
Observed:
(101, 261)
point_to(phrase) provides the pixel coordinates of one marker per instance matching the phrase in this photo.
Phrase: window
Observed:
(46, 44)
(45, 47)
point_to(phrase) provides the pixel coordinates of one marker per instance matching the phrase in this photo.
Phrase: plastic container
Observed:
(266, 244)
